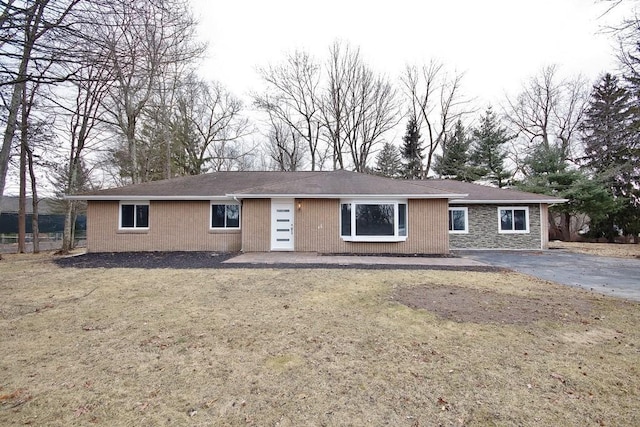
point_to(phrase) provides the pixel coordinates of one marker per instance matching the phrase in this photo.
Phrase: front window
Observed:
(373, 221)
(513, 219)
(134, 215)
(458, 220)
(225, 216)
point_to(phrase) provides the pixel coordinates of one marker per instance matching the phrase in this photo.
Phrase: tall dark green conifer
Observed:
(606, 127)
(412, 151)
(488, 153)
(547, 173)
(612, 154)
(454, 161)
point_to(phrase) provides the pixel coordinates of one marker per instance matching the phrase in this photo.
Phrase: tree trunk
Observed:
(566, 227)
(67, 234)
(32, 23)
(22, 201)
(35, 229)
(10, 129)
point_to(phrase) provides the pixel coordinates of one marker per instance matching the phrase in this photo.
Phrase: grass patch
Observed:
(616, 250)
(307, 347)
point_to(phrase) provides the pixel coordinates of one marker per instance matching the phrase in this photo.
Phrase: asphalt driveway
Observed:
(612, 276)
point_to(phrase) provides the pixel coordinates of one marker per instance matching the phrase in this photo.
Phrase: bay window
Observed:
(373, 221)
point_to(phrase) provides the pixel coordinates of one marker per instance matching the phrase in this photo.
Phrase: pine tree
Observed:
(454, 161)
(488, 154)
(412, 151)
(612, 154)
(547, 173)
(606, 128)
(388, 162)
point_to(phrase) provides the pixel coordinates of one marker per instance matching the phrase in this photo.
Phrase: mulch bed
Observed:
(191, 260)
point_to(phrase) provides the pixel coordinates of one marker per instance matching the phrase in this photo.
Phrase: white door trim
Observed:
(282, 225)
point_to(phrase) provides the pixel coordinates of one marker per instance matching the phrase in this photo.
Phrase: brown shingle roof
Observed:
(344, 183)
(478, 193)
(311, 184)
(268, 184)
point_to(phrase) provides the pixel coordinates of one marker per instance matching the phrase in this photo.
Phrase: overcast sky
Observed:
(498, 44)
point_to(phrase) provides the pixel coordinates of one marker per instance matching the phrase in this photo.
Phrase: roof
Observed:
(243, 185)
(323, 184)
(478, 193)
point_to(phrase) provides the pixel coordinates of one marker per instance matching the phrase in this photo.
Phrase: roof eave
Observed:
(503, 201)
(347, 196)
(95, 197)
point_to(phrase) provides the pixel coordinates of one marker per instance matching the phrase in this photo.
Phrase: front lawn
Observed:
(293, 347)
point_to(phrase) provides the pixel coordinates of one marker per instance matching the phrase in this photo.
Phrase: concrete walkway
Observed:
(314, 258)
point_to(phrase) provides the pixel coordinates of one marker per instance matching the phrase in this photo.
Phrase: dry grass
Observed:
(616, 250)
(293, 347)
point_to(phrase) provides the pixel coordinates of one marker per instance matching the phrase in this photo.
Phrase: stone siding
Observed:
(484, 234)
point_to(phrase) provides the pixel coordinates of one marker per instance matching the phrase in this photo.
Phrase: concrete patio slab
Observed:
(315, 258)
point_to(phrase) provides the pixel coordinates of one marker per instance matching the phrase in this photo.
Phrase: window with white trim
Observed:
(458, 220)
(513, 219)
(373, 221)
(225, 215)
(134, 215)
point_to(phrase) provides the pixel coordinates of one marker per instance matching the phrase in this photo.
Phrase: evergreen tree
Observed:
(612, 154)
(454, 161)
(606, 127)
(488, 153)
(412, 151)
(547, 173)
(388, 162)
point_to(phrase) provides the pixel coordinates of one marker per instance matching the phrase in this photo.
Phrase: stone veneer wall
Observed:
(483, 230)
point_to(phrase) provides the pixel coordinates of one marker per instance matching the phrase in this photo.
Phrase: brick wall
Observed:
(184, 226)
(256, 225)
(173, 226)
(317, 229)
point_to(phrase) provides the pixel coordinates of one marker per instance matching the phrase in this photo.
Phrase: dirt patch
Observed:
(462, 304)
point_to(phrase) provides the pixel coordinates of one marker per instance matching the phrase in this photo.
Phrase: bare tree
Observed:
(35, 133)
(548, 111)
(292, 98)
(374, 110)
(145, 39)
(284, 145)
(83, 115)
(207, 120)
(342, 67)
(436, 103)
(358, 108)
(33, 32)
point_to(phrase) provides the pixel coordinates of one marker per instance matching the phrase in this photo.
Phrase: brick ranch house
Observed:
(325, 212)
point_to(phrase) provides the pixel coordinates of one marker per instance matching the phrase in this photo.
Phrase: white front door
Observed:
(282, 225)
